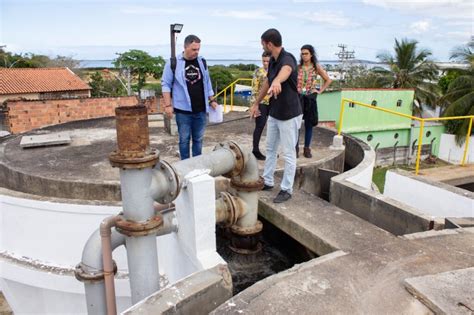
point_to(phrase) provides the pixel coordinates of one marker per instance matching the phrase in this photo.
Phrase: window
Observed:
(428, 134)
(395, 135)
(370, 137)
(351, 105)
(374, 103)
(399, 103)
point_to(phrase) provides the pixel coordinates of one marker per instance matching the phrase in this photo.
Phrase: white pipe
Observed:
(142, 254)
(92, 263)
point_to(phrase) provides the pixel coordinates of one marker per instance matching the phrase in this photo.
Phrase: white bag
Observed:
(216, 115)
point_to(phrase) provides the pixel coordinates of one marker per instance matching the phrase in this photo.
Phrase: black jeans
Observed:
(260, 122)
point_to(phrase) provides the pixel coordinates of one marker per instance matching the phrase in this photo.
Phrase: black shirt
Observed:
(287, 104)
(194, 80)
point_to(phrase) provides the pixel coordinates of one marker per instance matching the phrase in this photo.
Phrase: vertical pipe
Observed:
(142, 255)
(105, 234)
(420, 143)
(341, 116)
(466, 145)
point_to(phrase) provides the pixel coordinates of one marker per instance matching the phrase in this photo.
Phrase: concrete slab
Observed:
(453, 174)
(445, 293)
(32, 141)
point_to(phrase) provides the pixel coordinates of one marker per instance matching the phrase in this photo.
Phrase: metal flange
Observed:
(85, 276)
(247, 231)
(174, 184)
(132, 228)
(238, 155)
(247, 186)
(233, 206)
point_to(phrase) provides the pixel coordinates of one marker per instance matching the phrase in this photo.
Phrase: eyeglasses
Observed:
(305, 53)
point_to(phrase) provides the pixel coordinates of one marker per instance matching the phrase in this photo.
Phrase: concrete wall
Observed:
(28, 115)
(418, 192)
(42, 239)
(41, 242)
(451, 152)
(352, 192)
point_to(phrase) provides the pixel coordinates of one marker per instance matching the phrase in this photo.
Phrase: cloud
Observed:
(335, 19)
(246, 15)
(139, 10)
(445, 9)
(419, 27)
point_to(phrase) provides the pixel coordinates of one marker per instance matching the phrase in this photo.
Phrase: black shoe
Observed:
(267, 187)
(259, 155)
(282, 196)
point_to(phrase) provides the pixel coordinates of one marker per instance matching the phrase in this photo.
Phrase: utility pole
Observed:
(344, 57)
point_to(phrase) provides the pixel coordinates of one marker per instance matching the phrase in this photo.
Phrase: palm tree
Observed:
(459, 97)
(411, 68)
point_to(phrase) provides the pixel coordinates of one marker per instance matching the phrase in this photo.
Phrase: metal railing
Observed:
(422, 125)
(232, 89)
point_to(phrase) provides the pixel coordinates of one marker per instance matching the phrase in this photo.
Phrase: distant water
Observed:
(224, 62)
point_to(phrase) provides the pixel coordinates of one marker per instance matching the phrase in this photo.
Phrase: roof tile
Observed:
(37, 80)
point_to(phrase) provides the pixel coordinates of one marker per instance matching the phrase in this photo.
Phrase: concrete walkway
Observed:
(452, 174)
(363, 267)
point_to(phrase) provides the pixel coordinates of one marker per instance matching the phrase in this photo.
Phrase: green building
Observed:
(390, 135)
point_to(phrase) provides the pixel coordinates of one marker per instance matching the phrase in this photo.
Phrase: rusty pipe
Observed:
(105, 235)
(229, 209)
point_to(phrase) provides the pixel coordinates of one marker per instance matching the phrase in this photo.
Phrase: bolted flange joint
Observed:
(239, 157)
(88, 276)
(133, 228)
(247, 231)
(247, 186)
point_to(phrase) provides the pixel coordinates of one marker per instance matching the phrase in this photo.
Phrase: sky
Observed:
(87, 29)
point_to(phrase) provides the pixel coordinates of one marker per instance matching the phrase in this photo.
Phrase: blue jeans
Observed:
(308, 133)
(284, 132)
(190, 126)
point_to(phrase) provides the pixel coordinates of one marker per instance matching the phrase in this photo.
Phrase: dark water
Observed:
(279, 252)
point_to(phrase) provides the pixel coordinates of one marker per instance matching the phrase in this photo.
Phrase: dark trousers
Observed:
(260, 122)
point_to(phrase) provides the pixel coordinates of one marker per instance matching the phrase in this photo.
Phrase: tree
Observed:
(411, 68)
(221, 77)
(459, 97)
(140, 64)
(105, 86)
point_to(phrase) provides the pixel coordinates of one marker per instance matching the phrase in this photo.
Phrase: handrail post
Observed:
(225, 100)
(232, 96)
(420, 143)
(341, 116)
(466, 145)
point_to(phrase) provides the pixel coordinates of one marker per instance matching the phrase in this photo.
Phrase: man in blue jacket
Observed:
(188, 79)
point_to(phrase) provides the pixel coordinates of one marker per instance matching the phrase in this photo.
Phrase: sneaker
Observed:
(282, 196)
(267, 187)
(259, 155)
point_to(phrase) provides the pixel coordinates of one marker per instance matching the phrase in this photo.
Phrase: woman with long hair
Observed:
(308, 71)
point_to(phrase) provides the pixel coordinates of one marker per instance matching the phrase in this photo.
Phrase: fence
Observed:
(422, 124)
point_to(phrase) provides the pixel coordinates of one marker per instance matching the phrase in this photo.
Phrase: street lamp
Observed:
(174, 29)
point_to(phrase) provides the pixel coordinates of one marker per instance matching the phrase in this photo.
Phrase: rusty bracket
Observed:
(247, 231)
(239, 157)
(132, 228)
(174, 183)
(247, 186)
(85, 276)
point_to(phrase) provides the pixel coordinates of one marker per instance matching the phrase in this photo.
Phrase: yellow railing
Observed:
(422, 125)
(232, 88)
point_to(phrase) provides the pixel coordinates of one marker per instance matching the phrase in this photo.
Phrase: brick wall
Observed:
(27, 115)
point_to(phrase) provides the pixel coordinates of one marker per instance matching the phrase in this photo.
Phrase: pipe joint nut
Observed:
(247, 231)
(247, 186)
(133, 228)
(81, 273)
(239, 157)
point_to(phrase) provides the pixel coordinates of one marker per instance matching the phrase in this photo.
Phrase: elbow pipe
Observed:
(105, 234)
(91, 270)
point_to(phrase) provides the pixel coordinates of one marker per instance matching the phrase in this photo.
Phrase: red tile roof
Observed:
(37, 80)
